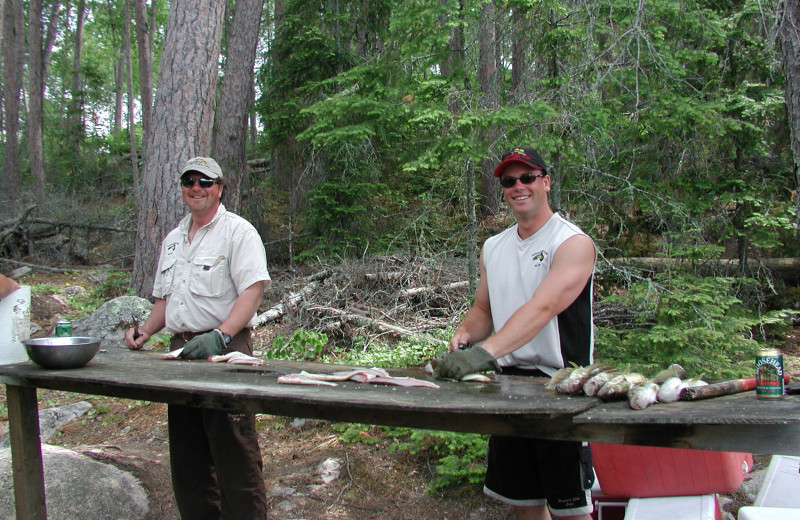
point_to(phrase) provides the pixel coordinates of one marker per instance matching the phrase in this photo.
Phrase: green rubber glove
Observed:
(204, 345)
(459, 363)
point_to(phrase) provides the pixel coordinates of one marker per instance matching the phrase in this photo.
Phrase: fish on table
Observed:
(360, 375)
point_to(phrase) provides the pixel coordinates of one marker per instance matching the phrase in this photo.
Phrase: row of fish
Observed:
(608, 382)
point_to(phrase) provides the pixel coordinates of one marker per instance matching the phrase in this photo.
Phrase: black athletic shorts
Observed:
(536, 472)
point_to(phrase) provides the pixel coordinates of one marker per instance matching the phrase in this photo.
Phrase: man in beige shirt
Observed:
(209, 282)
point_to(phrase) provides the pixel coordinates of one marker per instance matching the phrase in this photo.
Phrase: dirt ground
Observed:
(373, 481)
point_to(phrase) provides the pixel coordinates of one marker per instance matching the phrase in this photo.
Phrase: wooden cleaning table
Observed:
(509, 405)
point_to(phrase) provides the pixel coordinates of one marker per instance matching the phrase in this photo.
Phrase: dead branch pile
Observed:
(27, 235)
(385, 299)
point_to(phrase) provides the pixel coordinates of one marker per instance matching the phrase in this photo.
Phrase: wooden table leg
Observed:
(26, 452)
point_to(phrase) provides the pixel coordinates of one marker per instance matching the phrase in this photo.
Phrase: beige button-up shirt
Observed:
(202, 280)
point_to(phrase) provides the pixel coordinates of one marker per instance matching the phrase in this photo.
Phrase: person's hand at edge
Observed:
(459, 363)
(205, 345)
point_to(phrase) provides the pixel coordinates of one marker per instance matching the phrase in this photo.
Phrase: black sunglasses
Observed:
(525, 178)
(188, 182)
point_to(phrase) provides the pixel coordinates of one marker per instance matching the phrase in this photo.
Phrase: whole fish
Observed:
(560, 375)
(674, 370)
(670, 390)
(573, 385)
(594, 383)
(617, 387)
(643, 395)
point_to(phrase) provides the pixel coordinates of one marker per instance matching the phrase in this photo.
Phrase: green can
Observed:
(769, 374)
(63, 329)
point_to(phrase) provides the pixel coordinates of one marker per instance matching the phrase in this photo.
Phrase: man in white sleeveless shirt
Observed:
(533, 312)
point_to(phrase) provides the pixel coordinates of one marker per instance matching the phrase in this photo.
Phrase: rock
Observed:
(19, 272)
(78, 487)
(112, 319)
(752, 484)
(329, 470)
(74, 290)
(51, 419)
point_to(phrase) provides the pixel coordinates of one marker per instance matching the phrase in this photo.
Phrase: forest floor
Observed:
(371, 480)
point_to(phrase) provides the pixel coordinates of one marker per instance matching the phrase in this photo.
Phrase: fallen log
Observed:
(370, 323)
(787, 269)
(414, 291)
(277, 311)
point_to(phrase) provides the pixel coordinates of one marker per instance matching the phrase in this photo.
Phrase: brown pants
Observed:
(215, 459)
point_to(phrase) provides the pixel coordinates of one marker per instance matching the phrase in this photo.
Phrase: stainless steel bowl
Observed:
(62, 352)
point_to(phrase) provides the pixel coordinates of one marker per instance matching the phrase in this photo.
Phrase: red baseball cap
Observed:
(527, 156)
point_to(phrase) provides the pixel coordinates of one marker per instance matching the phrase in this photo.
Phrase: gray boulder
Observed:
(78, 487)
(51, 419)
(112, 319)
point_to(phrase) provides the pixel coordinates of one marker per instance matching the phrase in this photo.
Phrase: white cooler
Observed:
(698, 507)
(15, 326)
(768, 513)
(781, 487)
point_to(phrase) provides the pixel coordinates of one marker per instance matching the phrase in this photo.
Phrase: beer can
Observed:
(769, 374)
(63, 328)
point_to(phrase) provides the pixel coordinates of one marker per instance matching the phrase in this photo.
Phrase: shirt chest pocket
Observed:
(208, 276)
(168, 275)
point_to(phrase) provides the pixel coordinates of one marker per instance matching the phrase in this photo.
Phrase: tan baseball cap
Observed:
(205, 165)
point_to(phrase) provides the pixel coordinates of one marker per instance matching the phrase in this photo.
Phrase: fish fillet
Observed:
(300, 379)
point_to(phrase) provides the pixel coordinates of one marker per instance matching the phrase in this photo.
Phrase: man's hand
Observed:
(204, 345)
(459, 363)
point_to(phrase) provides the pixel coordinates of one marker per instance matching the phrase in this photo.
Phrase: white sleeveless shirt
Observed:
(514, 269)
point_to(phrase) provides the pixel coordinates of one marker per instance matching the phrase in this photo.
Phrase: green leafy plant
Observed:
(459, 456)
(303, 344)
(411, 352)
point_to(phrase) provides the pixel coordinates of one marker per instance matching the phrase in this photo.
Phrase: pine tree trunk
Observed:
(488, 83)
(789, 38)
(183, 120)
(35, 96)
(75, 128)
(13, 42)
(126, 58)
(231, 137)
(143, 40)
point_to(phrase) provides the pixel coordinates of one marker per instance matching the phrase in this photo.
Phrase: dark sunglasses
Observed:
(188, 182)
(525, 178)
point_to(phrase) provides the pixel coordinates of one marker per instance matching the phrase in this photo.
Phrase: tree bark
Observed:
(126, 56)
(521, 54)
(788, 35)
(35, 97)
(231, 137)
(183, 120)
(487, 81)
(13, 51)
(75, 128)
(143, 40)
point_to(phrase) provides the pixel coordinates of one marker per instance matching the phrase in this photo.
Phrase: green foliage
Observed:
(459, 456)
(694, 321)
(115, 284)
(302, 345)
(408, 352)
(357, 432)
